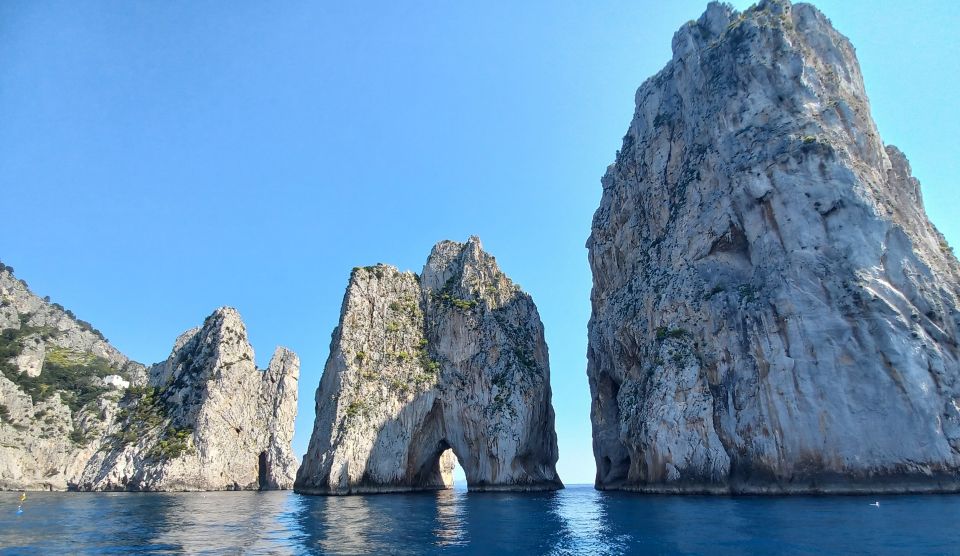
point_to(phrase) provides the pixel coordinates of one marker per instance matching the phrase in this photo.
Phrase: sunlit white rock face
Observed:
(452, 361)
(772, 309)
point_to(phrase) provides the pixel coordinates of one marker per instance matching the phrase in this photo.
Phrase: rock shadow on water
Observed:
(411, 523)
(443, 521)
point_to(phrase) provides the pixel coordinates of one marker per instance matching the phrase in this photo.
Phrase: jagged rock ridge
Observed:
(208, 419)
(75, 413)
(772, 310)
(450, 365)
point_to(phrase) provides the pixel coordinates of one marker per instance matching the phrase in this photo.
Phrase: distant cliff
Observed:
(75, 413)
(60, 385)
(772, 309)
(430, 369)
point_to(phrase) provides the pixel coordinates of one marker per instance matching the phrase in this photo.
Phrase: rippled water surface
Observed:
(578, 520)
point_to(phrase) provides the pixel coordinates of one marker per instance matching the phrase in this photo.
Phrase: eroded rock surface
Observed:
(76, 413)
(450, 365)
(772, 309)
(207, 420)
(55, 405)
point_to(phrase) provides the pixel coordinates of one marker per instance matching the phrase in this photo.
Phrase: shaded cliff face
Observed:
(207, 419)
(76, 413)
(427, 370)
(772, 310)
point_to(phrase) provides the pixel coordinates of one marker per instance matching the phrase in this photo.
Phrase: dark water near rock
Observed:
(578, 520)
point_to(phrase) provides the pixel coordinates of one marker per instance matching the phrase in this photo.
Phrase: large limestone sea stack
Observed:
(428, 369)
(772, 309)
(77, 414)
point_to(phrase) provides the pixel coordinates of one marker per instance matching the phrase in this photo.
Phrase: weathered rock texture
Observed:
(424, 367)
(208, 420)
(55, 403)
(772, 310)
(77, 414)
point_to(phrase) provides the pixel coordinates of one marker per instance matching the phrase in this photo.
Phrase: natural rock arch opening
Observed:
(437, 469)
(448, 465)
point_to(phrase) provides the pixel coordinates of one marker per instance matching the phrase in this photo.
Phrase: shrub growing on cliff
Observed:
(676, 333)
(526, 359)
(355, 408)
(173, 444)
(142, 410)
(77, 376)
(463, 304)
(79, 437)
(429, 366)
(747, 293)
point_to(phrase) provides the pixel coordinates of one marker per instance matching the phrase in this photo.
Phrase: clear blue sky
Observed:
(160, 159)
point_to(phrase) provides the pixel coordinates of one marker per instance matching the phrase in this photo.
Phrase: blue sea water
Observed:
(577, 520)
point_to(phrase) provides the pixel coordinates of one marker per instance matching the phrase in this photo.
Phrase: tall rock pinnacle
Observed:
(208, 419)
(428, 370)
(772, 309)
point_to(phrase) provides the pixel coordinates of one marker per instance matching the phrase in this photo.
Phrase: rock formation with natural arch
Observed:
(450, 365)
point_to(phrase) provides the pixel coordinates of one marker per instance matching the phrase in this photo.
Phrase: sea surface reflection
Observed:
(578, 520)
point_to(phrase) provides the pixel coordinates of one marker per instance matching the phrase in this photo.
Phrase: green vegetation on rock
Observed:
(143, 411)
(676, 333)
(75, 375)
(446, 296)
(355, 408)
(173, 444)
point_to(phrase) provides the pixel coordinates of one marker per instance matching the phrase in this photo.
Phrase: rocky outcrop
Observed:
(772, 310)
(76, 413)
(450, 365)
(54, 403)
(207, 420)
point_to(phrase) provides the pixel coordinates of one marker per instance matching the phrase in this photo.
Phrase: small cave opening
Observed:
(438, 469)
(613, 462)
(262, 471)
